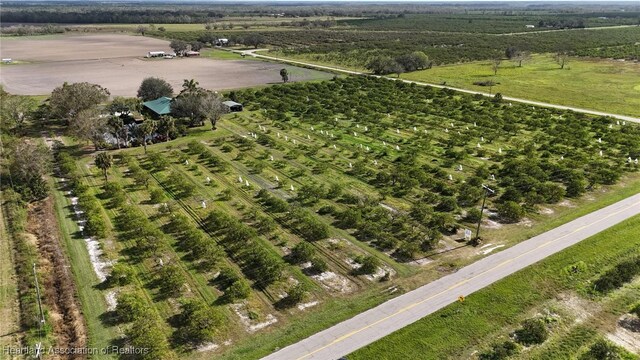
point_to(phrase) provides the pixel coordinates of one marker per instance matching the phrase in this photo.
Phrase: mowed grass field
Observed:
(604, 85)
(492, 313)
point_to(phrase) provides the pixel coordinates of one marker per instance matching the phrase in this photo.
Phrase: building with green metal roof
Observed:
(158, 107)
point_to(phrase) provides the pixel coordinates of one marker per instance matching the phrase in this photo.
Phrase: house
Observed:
(530, 26)
(191, 53)
(233, 106)
(158, 107)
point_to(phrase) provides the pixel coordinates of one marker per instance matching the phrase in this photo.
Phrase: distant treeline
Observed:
(357, 48)
(25, 30)
(113, 16)
(172, 13)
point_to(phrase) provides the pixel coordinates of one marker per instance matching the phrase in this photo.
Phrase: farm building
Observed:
(233, 106)
(158, 107)
(151, 54)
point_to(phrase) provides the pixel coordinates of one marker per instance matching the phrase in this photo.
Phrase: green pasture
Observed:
(604, 85)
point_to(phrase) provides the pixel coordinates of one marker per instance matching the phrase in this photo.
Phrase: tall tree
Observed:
(197, 45)
(417, 60)
(15, 109)
(284, 74)
(254, 40)
(152, 88)
(68, 100)
(166, 126)
(141, 29)
(522, 56)
(116, 127)
(179, 46)
(144, 130)
(495, 65)
(103, 162)
(29, 162)
(189, 86)
(562, 58)
(381, 65)
(123, 106)
(198, 106)
(90, 126)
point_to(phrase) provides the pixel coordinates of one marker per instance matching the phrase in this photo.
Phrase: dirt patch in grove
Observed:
(59, 288)
(117, 63)
(627, 333)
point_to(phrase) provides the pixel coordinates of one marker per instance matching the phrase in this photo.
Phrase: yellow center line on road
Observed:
(462, 282)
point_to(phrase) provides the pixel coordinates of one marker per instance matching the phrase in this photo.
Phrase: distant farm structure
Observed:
(152, 54)
(232, 106)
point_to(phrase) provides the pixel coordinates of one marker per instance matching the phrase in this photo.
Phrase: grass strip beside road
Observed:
(470, 325)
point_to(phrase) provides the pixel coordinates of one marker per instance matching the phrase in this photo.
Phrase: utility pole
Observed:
(487, 190)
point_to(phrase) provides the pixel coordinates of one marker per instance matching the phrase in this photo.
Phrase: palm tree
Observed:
(115, 124)
(104, 161)
(189, 86)
(285, 75)
(167, 125)
(145, 130)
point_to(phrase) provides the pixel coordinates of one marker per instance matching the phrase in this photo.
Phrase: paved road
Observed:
(371, 325)
(508, 98)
